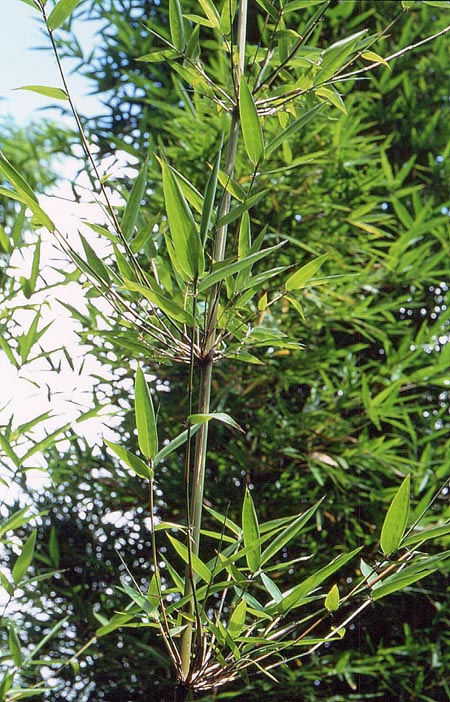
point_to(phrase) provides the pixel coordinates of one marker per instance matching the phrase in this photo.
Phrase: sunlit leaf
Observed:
(198, 566)
(176, 24)
(23, 561)
(162, 302)
(60, 13)
(218, 416)
(297, 596)
(136, 464)
(251, 125)
(301, 278)
(131, 212)
(288, 534)
(250, 529)
(396, 519)
(372, 56)
(56, 93)
(237, 619)
(145, 417)
(187, 252)
(332, 599)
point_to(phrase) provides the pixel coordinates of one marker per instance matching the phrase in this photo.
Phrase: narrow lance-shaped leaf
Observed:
(145, 417)
(219, 416)
(251, 126)
(60, 13)
(176, 24)
(94, 262)
(175, 443)
(198, 566)
(131, 212)
(24, 193)
(211, 12)
(301, 278)
(296, 596)
(289, 533)
(210, 195)
(237, 619)
(162, 302)
(24, 560)
(225, 270)
(250, 528)
(396, 518)
(136, 464)
(55, 93)
(15, 647)
(187, 253)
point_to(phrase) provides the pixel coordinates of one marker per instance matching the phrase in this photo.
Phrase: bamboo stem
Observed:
(204, 402)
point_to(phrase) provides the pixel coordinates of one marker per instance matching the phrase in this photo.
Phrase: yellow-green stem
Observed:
(199, 466)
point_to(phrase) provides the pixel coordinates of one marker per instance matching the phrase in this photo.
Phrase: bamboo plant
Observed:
(198, 301)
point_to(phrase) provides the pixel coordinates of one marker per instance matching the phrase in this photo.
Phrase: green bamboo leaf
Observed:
(332, 600)
(176, 24)
(53, 548)
(145, 417)
(372, 56)
(288, 533)
(396, 518)
(293, 128)
(237, 619)
(251, 125)
(332, 95)
(35, 268)
(116, 621)
(131, 212)
(136, 464)
(301, 278)
(219, 416)
(199, 568)
(398, 583)
(245, 236)
(211, 12)
(175, 443)
(23, 561)
(441, 4)
(19, 693)
(336, 56)
(269, 7)
(94, 262)
(162, 302)
(296, 597)
(224, 270)
(300, 5)
(271, 588)
(60, 13)
(250, 529)
(240, 209)
(426, 534)
(55, 93)
(210, 195)
(187, 253)
(25, 193)
(6, 584)
(31, 3)
(18, 518)
(227, 16)
(15, 647)
(149, 607)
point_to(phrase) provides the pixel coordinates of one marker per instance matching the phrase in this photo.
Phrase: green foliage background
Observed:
(345, 418)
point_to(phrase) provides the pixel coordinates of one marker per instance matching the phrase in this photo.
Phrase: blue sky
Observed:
(21, 64)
